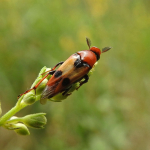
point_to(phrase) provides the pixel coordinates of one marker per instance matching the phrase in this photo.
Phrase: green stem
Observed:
(21, 103)
(14, 120)
(10, 113)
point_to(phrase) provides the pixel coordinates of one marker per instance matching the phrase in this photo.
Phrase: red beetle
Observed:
(73, 70)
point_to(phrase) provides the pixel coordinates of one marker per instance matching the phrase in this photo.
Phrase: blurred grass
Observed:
(112, 110)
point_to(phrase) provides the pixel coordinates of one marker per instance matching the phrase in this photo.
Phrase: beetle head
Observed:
(96, 50)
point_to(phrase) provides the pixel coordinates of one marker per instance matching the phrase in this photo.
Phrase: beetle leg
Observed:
(60, 63)
(65, 92)
(50, 72)
(86, 78)
(34, 88)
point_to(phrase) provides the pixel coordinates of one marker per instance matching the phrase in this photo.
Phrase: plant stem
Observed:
(10, 113)
(21, 103)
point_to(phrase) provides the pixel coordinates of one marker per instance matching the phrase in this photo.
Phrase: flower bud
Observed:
(40, 76)
(35, 120)
(41, 87)
(29, 98)
(19, 128)
(22, 129)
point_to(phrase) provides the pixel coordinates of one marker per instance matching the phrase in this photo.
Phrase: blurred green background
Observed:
(111, 111)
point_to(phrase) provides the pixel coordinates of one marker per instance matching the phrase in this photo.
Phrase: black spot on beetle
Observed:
(78, 63)
(58, 74)
(66, 82)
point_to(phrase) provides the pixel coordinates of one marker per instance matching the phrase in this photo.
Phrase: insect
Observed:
(74, 69)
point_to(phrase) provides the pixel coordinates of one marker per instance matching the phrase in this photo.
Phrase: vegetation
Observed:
(111, 111)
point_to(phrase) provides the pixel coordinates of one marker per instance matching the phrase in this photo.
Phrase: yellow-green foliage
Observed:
(111, 111)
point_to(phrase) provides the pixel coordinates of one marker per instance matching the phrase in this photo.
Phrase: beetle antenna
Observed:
(105, 49)
(88, 42)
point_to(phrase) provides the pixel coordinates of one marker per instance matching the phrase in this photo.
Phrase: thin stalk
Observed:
(11, 112)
